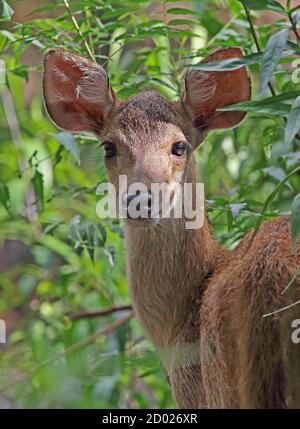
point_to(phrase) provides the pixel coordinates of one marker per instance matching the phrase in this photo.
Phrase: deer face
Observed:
(147, 139)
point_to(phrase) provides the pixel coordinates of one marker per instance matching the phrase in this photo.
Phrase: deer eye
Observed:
(110, 149)
(178, 149)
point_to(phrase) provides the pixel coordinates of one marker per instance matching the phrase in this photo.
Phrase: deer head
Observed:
(146, 138)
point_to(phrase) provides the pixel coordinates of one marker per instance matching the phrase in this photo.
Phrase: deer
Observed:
(201, 305)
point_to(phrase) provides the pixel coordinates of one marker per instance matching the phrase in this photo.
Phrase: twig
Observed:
(294, 27)
(266, 205)
(256, 41)
(296, 274)
(77, 28)
(74, 347)
(98, 313)
(282, 309)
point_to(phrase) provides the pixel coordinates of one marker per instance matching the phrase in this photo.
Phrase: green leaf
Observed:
(229, 63)
(271, 56)
(293, 123)
(7, 11)
(295, 220)
(68, 141)
(4, 197)
(276, 109)
(182, 22)
(181, 11)
(278, 105)
(263, 5)
(38, 186)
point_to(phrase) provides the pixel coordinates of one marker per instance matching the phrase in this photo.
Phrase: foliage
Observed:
(48, 181)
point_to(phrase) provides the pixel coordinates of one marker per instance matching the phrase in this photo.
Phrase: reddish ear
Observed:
(76, 92)
(207, 91)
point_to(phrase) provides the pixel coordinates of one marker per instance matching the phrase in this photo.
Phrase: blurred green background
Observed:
(58, 261)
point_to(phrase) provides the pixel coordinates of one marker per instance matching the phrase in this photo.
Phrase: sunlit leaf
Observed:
(6, 11)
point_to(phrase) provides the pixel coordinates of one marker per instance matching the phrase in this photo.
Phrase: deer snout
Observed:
(137, 204)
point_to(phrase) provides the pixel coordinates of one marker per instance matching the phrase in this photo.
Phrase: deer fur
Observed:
(202, 306)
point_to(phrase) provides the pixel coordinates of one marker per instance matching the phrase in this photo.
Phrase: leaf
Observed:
(278, 105)
(295, 220)
(293, 123)
(4, 197)
(277, 109)
(69, 143)
(275, 172)
(38, 186)
(229, 63)
(263, 5)
(181, 11)
(272, 54)
(164, 83)
(7, 11)
(182, 22)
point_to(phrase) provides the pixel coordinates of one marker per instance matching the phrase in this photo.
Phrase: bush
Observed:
(57, 257)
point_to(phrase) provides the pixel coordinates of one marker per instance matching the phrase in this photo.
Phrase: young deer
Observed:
(202, 306)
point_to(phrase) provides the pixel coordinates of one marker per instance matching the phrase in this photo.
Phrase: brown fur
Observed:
(202, 306)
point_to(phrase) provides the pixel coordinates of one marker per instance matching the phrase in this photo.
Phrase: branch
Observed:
(294, 27)
(74, 347)
(98, 313)
(77, 28)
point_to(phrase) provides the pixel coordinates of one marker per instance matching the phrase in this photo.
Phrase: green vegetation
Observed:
(73, 261)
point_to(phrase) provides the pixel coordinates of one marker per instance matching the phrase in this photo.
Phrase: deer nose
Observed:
(142, 204)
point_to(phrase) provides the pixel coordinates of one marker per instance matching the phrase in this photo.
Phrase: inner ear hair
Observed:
(76, 91)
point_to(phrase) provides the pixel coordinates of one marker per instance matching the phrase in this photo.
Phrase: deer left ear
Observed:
(205, 92)
(76, 92)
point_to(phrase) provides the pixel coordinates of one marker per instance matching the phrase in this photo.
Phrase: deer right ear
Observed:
(205, 92)
(76, 92)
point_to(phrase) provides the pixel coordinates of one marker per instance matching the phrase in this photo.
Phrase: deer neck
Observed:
(167, 270)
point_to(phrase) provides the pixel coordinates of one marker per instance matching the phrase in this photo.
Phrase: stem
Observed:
(266, 205)
(294, 8)
(98, 313)
(256, 41)
(77, 28)
(294, 27)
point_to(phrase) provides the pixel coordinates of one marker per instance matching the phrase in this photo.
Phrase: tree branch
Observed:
(98, 313)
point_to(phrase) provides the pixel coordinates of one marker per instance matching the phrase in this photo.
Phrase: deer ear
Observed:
(76, 92)
(205, 92)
